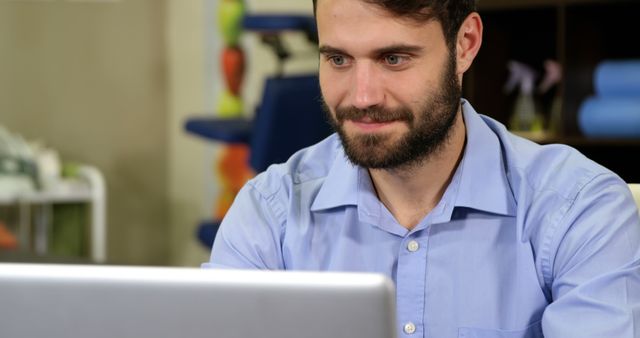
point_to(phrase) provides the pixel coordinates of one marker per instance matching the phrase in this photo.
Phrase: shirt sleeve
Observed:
(594, 275)
(250, 234)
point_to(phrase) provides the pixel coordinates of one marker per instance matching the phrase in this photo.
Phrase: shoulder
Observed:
(254, 226)
(563, 198)
(556, 169)
(306, 165)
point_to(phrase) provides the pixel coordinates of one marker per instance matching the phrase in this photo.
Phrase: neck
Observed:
(411, 192)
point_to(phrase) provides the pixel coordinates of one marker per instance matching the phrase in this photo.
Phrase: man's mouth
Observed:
(367, 124)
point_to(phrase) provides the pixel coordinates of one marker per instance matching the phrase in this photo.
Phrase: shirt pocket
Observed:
(532, 331)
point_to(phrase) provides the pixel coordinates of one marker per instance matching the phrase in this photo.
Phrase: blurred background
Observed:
(97, 163)
(109, 84)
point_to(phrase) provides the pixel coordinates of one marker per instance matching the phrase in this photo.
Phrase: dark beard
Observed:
(429, 129)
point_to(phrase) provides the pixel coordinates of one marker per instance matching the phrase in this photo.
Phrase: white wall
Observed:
(186, 50)
(90, 80)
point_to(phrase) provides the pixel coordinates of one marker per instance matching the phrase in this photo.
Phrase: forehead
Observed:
(353, 23)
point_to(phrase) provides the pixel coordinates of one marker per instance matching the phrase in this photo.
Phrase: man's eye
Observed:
(393, 59)
(338, 60)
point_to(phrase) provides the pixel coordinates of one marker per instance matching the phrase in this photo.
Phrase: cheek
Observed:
(332, 87)
(416, 85)
(407, 88)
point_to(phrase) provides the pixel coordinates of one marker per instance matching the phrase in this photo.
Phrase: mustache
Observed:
(376, 114)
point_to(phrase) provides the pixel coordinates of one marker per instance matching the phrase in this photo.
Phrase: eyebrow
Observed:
(396, 48)
(330, 50)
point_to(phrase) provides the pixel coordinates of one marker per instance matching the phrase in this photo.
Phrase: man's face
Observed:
(389, 84)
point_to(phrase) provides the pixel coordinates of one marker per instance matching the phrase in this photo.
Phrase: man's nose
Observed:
(367, 88)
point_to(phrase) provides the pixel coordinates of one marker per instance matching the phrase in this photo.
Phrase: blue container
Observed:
(618, 79)
(610, 117)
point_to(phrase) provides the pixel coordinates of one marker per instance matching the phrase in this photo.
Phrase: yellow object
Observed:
(229, 105)
(230, 14)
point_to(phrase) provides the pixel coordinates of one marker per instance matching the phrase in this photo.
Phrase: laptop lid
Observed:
(64, 301)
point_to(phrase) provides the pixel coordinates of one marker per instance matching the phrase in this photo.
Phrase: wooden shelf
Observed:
(579, 141)
(579, 34)
(525, 4)
(510, 4)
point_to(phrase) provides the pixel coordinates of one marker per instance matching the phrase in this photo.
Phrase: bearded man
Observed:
(485, 234)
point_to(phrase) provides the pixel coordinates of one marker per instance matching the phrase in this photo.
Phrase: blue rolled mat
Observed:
(618, 78)
(610, 117)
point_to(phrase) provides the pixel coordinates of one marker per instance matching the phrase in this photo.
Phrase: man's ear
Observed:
(468, 42)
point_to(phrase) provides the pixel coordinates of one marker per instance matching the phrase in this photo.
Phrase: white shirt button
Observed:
(409, 328)
(413, 246)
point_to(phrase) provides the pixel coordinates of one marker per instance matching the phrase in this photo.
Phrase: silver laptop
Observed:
(67, 301)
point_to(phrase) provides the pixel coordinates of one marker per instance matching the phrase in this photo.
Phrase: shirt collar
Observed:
(483, 181)
(340, 187)
(481, 177)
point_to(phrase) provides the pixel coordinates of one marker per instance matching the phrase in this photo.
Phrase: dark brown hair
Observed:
(450, 13)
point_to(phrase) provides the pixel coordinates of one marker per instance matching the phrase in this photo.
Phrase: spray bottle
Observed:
(553, 76)
(524, 116)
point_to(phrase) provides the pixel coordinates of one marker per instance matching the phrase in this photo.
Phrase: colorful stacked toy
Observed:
(232, 167)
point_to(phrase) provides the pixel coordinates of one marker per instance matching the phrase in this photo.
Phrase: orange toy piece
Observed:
(7, 239)
(234, 172)
(233, 68)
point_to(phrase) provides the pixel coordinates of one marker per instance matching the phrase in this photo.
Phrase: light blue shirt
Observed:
(527, 241)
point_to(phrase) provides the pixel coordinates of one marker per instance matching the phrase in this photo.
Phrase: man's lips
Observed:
(367, 124)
